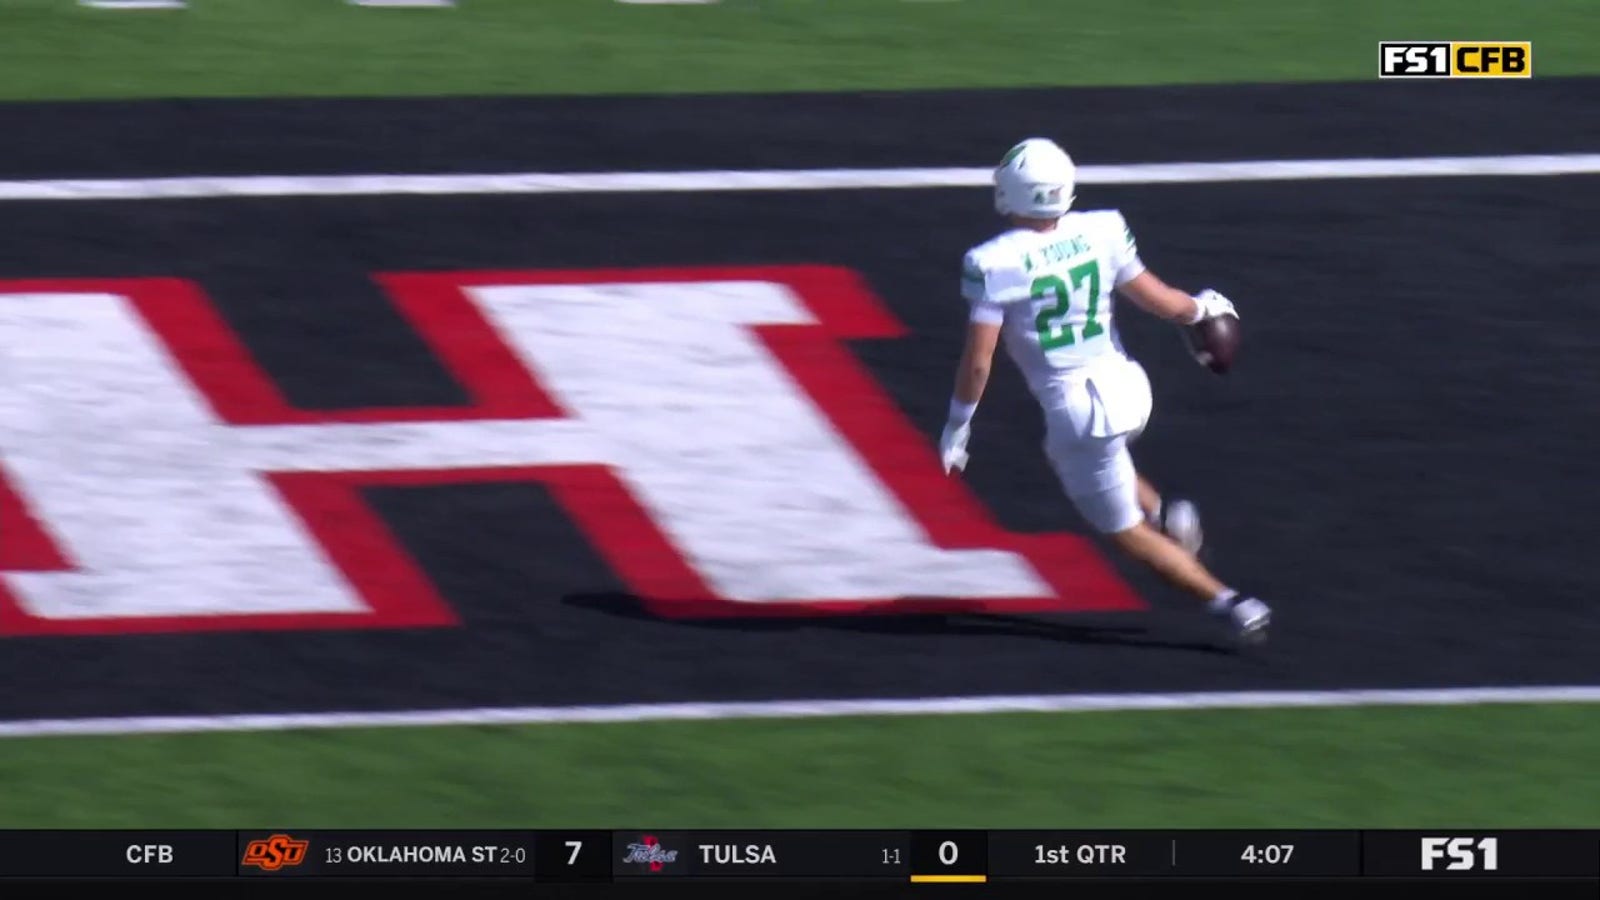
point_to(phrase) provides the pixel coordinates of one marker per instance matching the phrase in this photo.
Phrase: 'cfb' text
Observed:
(148, 854)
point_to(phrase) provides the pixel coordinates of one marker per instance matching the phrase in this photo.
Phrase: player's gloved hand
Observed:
(1210, 304)
(953, 446)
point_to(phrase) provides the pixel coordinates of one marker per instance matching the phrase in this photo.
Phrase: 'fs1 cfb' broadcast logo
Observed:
(1455, 59)
(707, 430)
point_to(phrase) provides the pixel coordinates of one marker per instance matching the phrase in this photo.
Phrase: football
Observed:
(1214, 342)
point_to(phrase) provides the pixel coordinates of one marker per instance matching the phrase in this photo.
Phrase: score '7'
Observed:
(575, 846)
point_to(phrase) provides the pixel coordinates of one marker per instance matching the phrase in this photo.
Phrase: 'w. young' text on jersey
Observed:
(1052, 290)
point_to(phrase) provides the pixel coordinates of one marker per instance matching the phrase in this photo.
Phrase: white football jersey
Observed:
(1052, 291)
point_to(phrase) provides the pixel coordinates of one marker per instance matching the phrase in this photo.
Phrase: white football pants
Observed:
(1091, 416)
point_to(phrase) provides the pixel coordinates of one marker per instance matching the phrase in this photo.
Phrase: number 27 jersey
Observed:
(1051, 291)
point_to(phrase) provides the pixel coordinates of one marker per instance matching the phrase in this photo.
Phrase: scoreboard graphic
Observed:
(911, 857)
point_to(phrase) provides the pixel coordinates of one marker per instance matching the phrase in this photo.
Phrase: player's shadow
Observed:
(629, 606)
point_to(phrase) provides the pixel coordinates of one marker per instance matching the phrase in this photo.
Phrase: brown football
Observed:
(1214, 342)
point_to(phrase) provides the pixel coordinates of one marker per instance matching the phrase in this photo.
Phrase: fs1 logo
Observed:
(1464, 854)
(1455, 59)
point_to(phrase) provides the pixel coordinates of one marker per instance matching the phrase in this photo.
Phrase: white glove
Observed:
(953, 446)
(1209, 304)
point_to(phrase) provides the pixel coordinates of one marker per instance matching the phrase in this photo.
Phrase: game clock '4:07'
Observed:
(1267, 854)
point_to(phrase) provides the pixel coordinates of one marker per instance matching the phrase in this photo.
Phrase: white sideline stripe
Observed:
(780, 179)
(134, 4)
(796, 709)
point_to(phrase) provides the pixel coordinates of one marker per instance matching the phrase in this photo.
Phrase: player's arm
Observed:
(977, 360)
(1160, 299)
(984, 318)
(972, 376)
(1154, 296)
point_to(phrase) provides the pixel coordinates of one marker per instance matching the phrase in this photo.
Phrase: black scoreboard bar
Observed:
(926, 856)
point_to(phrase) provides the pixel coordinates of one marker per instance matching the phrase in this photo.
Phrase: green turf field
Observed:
(1395, 767)
(54, 49)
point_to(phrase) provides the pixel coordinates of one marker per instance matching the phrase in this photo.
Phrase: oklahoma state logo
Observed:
(705, 428)
(280, 851)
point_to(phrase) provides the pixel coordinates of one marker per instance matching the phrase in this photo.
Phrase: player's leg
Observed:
(1099, 478)
(1176, 518)
(1169, 560)
(1149, 500)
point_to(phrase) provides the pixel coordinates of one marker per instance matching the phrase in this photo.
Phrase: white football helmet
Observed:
(1036, 179)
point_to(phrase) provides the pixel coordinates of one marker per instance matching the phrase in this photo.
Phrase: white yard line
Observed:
(134, 4)
(200, 187)
(796, 709)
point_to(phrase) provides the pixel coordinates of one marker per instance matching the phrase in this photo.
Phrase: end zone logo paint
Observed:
(705, 429)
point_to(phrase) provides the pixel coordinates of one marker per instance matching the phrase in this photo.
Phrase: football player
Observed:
(1045, 287)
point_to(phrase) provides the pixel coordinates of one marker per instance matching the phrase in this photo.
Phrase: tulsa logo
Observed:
(650, 852)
